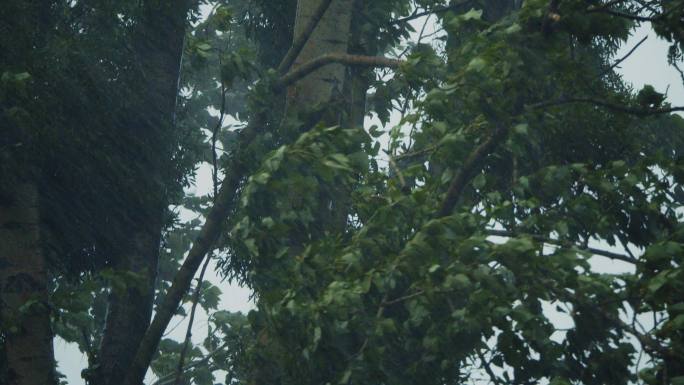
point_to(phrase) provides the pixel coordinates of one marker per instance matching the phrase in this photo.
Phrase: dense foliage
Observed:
(521, 223)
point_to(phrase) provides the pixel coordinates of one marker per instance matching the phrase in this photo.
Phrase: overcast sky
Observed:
(648, 65)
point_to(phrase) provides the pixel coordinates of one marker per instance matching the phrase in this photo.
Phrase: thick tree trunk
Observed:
(158, 44)
(24, 308)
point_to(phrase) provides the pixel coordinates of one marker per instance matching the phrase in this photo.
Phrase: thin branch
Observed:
(631, 51)
(556, 242)
(404, 298)
(609, 106)
(433, 11)
(300, 41)
(487, 368)
(625, 15)
(396, 168)
(214, 134)
(346, 59)
(413, 154)
(188, 332)
(609, 4)
(681, 72)
(167, 379)
(460, 181)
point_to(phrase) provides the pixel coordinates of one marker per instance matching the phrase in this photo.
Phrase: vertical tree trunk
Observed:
(158, 44)
(24, 308)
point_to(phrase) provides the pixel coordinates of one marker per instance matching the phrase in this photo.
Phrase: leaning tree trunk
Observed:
(158, 44)
(24, 308)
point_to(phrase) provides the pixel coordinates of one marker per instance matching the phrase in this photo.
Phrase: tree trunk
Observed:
(158, 43)
(129, 310)
(24, 308)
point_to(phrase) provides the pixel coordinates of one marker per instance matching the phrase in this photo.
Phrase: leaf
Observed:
(473, 14)
(479, 181)
(477, 64)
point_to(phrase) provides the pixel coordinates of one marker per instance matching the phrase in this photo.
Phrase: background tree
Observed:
(518, 153)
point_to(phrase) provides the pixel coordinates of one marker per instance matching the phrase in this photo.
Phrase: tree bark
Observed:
(24, 308)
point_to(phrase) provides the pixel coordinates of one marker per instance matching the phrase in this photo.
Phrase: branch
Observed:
(631, 51)
(341, 58)
(435, 10)
(188, 331)
(681, 72)
(595, 8)
(626, 15)
(204, 243)
(402, 299)
(215, 218)
(166, 379)
(300, 41)
(488, 368)
(556, 242)
(609, 106)
(460, 181)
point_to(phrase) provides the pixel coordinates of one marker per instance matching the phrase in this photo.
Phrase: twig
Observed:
(435, 10)
(347, 59)
(404, 298)
(214, 134)
(541, 238)
(681, 73)
(188, 332)
(414, 154)
(460, 181)
(625, 14)
(631, 51)
(594, 8)
(487, 368)
(396, 168)
(615, 107)
(166, 379)
(300, 41)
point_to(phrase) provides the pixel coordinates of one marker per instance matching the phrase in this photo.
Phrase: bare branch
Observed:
(346, 59)
(624, 15)
(609, 106)
(167, 379)
(631, 51)
(435, 10)
(681, 73)
(488, 368)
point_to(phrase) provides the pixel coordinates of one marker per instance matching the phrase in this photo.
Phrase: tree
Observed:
(519, 155)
